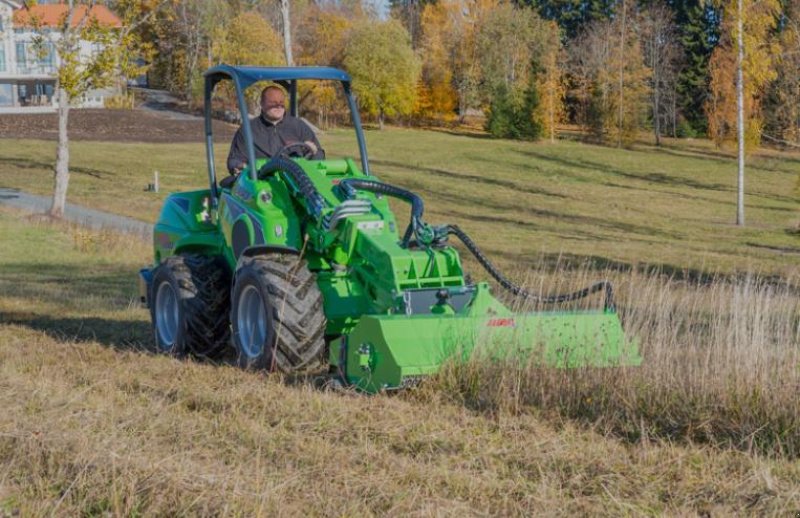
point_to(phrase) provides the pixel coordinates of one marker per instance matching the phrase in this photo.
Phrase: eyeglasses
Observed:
(275, 105)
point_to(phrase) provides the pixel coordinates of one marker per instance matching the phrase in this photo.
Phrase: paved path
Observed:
(91, 218)
(164, 103)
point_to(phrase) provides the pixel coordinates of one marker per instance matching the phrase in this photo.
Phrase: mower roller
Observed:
(297, 262)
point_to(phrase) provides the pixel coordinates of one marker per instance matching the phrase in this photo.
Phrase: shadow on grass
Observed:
(68, 282)
(648, 177)
(118, 334)
(522, 209)
(483, 179)
(27, 163)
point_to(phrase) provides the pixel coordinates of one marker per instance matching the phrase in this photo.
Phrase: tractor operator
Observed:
(272, 131)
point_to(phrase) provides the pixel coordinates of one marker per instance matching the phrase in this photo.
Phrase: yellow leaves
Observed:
(761, 52)
(552, 91)
(436, 95)
(248, 39)
(322, 36)
(383, 67)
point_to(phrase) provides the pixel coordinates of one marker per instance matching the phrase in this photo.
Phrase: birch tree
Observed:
(115, 49)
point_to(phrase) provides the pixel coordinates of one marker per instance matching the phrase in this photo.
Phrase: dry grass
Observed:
(89, 430)
(94, 425)
(721, 365)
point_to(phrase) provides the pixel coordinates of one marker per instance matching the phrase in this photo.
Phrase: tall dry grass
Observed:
(721, 364)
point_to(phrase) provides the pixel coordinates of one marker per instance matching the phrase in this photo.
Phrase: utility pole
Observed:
(740, 113)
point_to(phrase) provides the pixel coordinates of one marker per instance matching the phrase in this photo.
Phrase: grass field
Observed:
(94, 425)
(709, 425)
(673, 207)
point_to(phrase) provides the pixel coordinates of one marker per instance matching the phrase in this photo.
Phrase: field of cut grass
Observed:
(95, 425)
(671, 207)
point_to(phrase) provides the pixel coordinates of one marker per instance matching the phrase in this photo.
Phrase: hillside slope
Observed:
(93, 423)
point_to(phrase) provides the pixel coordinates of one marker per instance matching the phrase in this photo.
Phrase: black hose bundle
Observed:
(313, 198)
(439, 235)
(608, 301)
(349, 185)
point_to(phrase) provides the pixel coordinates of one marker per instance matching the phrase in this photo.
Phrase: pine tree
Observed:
(698, 28)
(528, 124)
(500, 120)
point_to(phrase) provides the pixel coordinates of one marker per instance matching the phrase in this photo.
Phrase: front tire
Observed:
(190, 304)
(277, 317)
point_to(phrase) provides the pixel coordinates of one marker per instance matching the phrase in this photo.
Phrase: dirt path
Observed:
(91, 218)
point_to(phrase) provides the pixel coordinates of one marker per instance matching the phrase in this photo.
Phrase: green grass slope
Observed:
(672, 206)
(94, 425)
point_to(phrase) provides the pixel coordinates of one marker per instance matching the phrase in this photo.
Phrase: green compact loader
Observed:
(298, 262)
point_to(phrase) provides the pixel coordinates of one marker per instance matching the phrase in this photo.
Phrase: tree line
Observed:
(612, 67)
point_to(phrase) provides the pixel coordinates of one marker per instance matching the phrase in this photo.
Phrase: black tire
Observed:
(201, 286)
(281, 298)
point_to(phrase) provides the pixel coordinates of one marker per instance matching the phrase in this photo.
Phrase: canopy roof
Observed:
(248, 75)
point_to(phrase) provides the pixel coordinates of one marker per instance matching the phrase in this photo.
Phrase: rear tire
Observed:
(190, 305)
(277, 316)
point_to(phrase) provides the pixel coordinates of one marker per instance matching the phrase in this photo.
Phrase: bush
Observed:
(119, 102)
(685, 129)
(514, 118)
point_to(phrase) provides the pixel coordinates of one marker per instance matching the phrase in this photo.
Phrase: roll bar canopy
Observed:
(244, 76)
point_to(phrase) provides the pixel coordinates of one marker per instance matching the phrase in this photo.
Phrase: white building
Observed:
(27, 79)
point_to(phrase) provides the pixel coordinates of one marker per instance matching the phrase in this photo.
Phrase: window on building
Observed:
(6, 95)
(22, 61)
(49, 59)
(2, 59)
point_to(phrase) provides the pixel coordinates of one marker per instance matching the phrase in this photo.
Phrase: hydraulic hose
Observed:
(349, 185)
(313, 198)
(608, 301)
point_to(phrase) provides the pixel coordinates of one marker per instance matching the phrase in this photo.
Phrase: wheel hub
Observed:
(251, 320)
(167, 317)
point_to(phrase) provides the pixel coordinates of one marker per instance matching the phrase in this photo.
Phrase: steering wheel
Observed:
(298, 150)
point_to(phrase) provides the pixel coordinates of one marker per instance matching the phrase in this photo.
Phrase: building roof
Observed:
(53, 15)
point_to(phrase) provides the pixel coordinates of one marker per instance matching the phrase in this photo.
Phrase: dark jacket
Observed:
(269, 138)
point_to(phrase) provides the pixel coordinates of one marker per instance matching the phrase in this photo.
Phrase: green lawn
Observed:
(672, 206)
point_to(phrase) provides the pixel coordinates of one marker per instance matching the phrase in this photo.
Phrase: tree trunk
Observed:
(62, 157)
(287, 33)
(657, 114)
(621, 74)
(674, 114)
(380, 119)
(740, 115)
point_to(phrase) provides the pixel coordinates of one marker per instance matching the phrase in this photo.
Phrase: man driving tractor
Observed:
(272, 131)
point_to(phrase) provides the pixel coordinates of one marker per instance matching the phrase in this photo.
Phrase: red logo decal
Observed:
(501, 322)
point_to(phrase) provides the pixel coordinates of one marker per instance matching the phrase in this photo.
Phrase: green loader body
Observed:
(395, 310)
